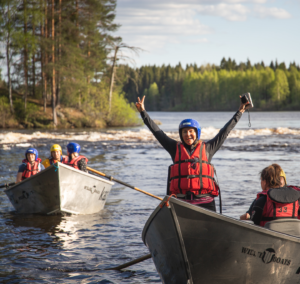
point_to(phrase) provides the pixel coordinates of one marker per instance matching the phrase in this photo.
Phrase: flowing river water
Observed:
(77, 248)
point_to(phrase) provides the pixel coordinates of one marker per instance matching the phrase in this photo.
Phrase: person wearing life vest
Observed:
(75, 160)
(283, 183)
(30, 166)
(56, 156)
(276, 200)
(191, 177)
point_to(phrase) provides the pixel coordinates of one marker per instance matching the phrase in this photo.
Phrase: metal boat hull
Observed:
(60, 189)
(190, 244)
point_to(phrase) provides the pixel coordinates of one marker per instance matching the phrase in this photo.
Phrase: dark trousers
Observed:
(210, 206)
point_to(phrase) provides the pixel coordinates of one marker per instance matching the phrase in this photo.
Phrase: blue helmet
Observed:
(73, 148)
(32, 151)
(190, 123)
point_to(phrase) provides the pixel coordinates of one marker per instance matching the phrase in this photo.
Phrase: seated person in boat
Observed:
(276, 201)
(191, 177)
(30, 166)
(56, 156)
(75, 160)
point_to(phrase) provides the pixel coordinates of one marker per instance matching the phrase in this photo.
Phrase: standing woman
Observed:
(191, 177)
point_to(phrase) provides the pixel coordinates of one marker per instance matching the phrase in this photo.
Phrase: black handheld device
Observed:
(246, 98)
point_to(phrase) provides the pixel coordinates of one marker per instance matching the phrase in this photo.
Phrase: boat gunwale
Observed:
(85, 173)
(218, 216)
(59, 165)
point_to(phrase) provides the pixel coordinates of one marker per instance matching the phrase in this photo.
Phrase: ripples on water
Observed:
(77, 249)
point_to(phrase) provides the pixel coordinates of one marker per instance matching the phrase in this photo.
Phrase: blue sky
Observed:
(205, 31)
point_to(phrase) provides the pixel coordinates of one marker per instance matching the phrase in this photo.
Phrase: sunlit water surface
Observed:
(77, 249)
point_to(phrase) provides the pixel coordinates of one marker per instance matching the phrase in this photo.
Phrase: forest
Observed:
(61, 68)
(59, 61)
(213, 88)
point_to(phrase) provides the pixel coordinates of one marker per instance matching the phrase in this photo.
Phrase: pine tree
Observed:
(8, 10)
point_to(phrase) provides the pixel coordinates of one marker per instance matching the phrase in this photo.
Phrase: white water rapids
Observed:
(72, 249)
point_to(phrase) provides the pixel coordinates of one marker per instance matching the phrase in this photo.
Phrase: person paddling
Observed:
(75, 160)
(56, 156)
(191, 177)
(30, 166)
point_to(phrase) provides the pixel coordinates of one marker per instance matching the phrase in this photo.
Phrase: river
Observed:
(77, 249)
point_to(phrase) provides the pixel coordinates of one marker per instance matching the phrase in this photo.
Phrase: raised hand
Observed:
(243, 107)
(140, 104)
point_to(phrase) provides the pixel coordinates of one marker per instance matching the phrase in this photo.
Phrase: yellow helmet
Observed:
(282, 174)
(56, 147)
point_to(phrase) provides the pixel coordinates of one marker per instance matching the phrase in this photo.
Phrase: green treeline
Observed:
(212, 88)
(59, 54)
(61, 70)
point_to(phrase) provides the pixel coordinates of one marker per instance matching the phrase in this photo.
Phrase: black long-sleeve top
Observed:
(256, 209)
(212, 146)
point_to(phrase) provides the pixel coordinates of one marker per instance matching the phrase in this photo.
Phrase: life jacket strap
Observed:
(179, 167)
(191, 176)
(195, 160)
(201, 161)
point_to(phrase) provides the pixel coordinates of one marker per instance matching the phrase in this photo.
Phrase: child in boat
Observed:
(276, 199)
(75, 160)
(55, 156)
(30, 166)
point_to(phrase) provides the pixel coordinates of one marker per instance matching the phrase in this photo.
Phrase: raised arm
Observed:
(168, 143)
(213, 145)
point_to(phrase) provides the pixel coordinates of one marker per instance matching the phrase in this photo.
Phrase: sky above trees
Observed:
(205, 31)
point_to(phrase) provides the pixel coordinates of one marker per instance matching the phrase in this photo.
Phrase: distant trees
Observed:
(8, 10)
(213, 87)
(61, 50)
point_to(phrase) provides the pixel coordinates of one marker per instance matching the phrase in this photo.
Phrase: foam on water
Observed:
(142, 135)
(77, 248)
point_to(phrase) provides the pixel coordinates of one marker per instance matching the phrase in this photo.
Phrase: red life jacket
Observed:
(276, 209)
(261, 194)
(192, 173)
(31, 170)
(74, 163)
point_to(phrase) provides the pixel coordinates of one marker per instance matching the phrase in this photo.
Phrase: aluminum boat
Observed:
(60, 189)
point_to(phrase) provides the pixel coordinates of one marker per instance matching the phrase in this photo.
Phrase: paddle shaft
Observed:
(121, 182)
(7, 184)
(140, 259)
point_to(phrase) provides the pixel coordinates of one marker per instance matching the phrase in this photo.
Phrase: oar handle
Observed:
(7, 184)
(124, 183)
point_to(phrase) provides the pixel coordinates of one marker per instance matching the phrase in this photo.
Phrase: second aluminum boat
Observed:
(60, 188)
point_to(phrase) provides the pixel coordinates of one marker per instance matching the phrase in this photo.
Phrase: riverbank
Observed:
(123, 115)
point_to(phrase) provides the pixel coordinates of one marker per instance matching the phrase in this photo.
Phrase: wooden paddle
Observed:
(121, 182)
(140, 259)
(7, 184)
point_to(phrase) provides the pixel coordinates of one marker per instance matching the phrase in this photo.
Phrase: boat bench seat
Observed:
(286, 226)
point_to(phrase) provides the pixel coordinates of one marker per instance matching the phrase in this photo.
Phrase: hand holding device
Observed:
(246, 103)
(246, 98)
